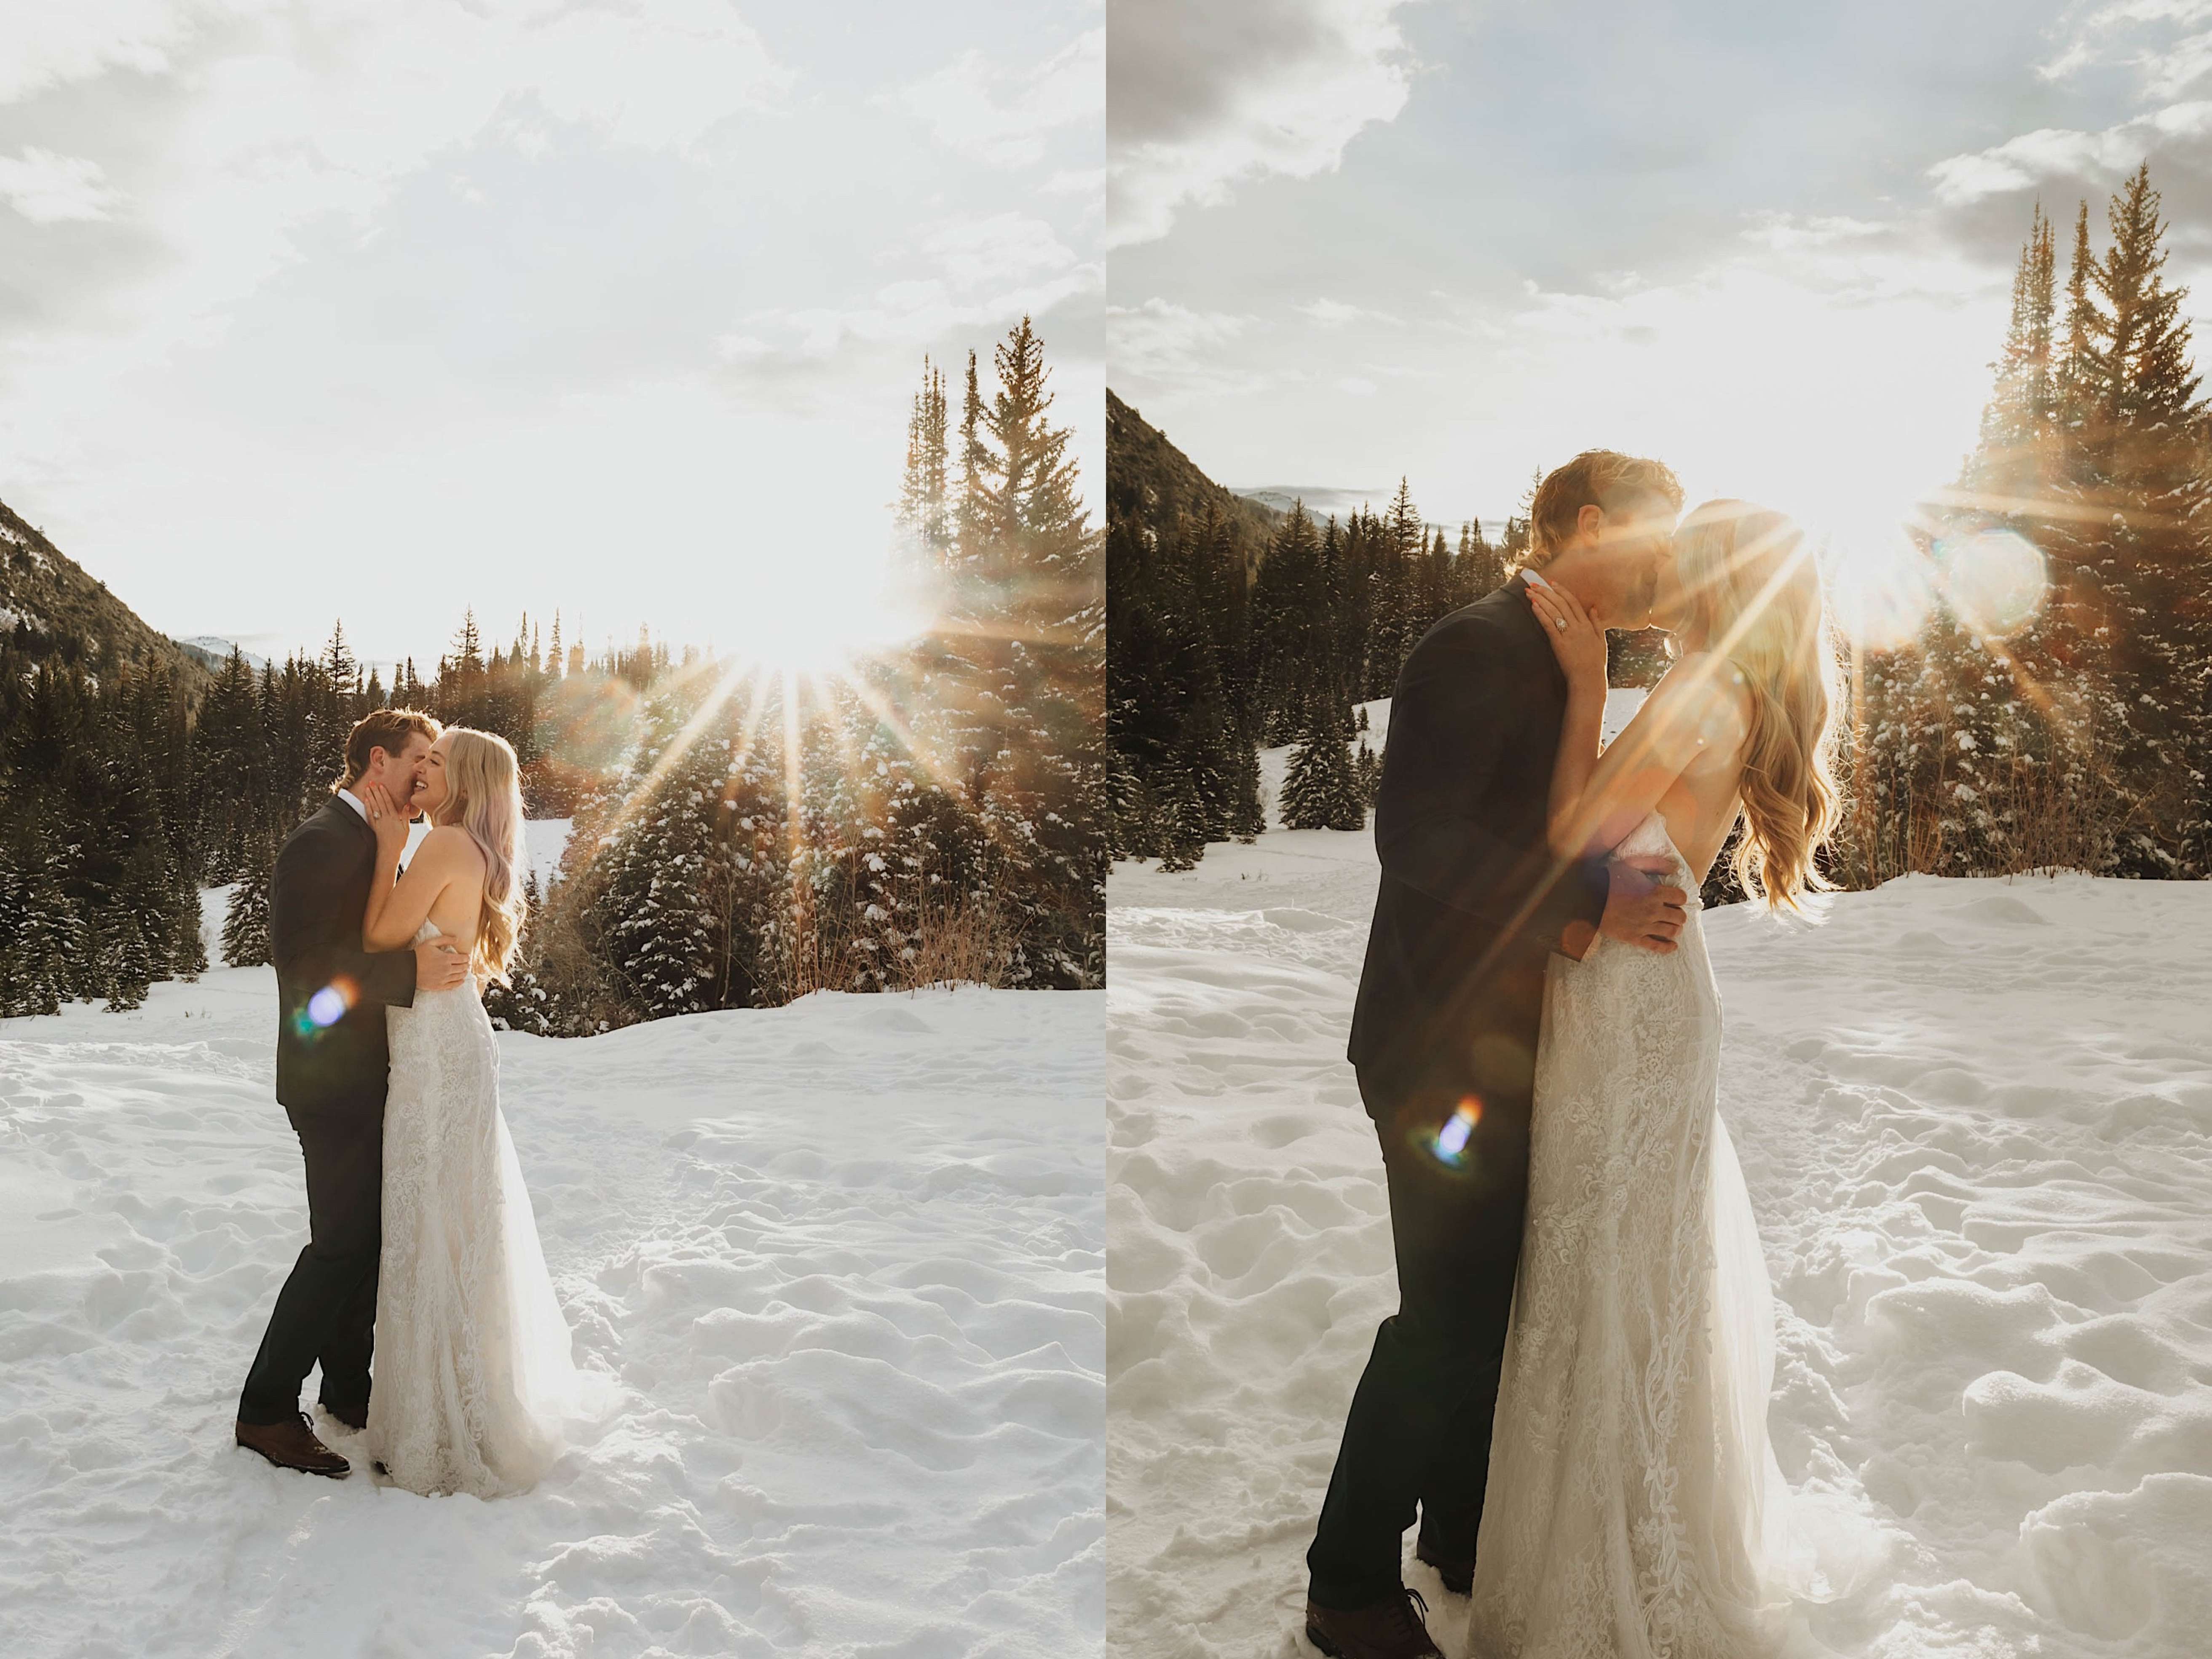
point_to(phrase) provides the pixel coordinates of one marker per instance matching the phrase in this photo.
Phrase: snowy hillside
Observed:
(1976, 1117)
(844, 1257)
(215, 647)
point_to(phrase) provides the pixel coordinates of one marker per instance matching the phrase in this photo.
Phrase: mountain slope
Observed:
(1320, 501)
(1151, 483)
(52, 608)
(214, 651)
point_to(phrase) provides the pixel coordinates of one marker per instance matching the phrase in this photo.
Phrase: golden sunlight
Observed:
(1881, 588)
(808, 626)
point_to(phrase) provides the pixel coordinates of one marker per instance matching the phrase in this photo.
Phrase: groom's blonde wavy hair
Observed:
(1754, 593)
(483, 796)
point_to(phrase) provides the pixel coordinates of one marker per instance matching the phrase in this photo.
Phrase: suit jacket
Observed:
(1472, 900)
(316, 903)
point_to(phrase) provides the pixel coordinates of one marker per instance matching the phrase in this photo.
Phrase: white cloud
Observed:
(1164, 344)
(970, 274)
(1785, 231)
(1001, 114)
(2053, 153)
(53, 45)
(292, 111)
(2168, 43)
(974, 253)
(1335, 314)
(47, 188)
(1207, 95)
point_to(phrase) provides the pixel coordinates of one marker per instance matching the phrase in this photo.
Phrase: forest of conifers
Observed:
(740, 838)
(2076, 735)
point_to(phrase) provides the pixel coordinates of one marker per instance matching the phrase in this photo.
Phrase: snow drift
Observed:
(844, 1258)
(1976, 1120)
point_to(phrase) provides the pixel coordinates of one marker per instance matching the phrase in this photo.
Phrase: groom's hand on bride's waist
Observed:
(1641, 910)
(440, 964)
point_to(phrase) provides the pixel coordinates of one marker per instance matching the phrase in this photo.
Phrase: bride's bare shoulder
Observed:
(451, 846)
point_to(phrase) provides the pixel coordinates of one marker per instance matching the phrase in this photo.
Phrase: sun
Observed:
(812, 628)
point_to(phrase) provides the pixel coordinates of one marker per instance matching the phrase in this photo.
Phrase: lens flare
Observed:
(325, 1008)
(1452, 1137)
(1881, 589)
(1995, 581)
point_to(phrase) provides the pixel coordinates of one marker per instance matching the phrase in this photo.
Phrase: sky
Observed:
(1356, 239)
(385, 309)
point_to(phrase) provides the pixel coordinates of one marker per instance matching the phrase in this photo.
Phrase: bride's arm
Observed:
(1599, 798)
(1581, 738)
(398, 909)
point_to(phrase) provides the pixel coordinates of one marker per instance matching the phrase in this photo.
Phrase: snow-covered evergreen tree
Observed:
(1320, 791)
(661, 906)
(126, 961)
(1248, 815)
(245, 928)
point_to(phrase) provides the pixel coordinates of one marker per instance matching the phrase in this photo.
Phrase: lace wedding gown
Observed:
(1631, 1488)
(473, 1376)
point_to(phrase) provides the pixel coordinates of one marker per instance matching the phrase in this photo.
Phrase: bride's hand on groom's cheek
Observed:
(385, 818)
(1576, 641)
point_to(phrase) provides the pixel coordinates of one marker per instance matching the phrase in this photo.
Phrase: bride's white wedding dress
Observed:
(1632, 1488)
(473, 1374)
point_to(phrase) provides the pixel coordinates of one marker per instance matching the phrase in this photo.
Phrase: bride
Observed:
(1633, 1497)
(473, 1373)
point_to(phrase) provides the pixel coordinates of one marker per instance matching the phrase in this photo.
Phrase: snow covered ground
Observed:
(1976, 1118)
(845, 1257)
(543, 841)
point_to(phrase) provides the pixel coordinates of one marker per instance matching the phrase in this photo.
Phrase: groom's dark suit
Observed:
(1451, 999)
(331, 1069)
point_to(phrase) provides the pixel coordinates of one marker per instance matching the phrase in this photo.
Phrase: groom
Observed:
(332, 1070)
(1444, 1035)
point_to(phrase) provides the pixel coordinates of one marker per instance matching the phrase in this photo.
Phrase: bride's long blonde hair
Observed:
(483, 796)
(1753, 593)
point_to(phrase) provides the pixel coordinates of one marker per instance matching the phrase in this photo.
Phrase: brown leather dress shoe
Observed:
(292, 1445)
(1390, 1629)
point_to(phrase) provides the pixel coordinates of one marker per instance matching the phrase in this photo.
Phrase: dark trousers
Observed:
(1419, 1432)
(326, 1312)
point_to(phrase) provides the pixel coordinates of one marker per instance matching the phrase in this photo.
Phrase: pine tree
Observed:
(1035, 500)
(661, 904)
(972, 516)
(245, 928)
(924, 503)
(1320, 791)
(2018, 423)
(39, 933)
(126, 961)
(2106, 474)
(2077, 383)
(1247, 816)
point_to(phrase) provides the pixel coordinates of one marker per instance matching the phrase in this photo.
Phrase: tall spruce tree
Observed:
(1320, 789)
(925, 501)
(245, 926)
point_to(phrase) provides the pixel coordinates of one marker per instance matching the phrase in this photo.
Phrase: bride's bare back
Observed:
(458, 863)
(1701, 804)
